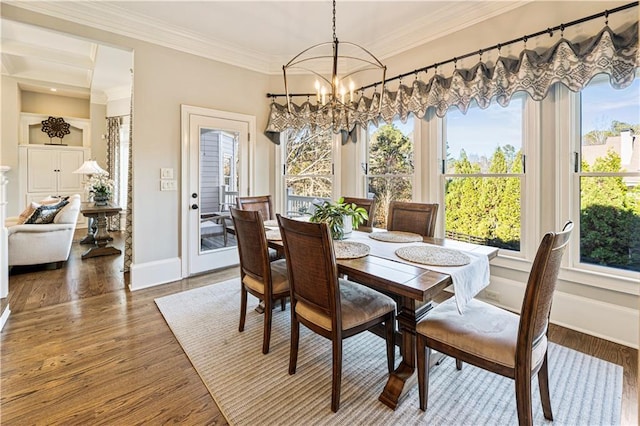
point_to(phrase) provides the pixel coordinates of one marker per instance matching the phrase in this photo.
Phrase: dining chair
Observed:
(369, 204)
(418, 218)
(331, 307)
(259, 276)
(497, 340)
(262, 203)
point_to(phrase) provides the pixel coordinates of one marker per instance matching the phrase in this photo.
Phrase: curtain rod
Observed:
(498, 46)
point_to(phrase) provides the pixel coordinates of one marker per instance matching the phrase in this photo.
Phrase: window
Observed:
(607, 176)
(308, 169)
(389, 166)
(484, 170)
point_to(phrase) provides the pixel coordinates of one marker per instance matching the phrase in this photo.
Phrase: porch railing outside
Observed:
(302, 204)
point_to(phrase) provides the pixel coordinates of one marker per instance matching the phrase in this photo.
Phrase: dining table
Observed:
(413, 286)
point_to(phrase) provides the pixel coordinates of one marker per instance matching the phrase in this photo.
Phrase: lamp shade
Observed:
(90, 167)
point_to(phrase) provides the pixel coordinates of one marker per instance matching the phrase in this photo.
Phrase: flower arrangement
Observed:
(336, 214)
(100, 186)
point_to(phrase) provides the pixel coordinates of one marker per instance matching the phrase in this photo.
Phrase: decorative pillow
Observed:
(46, 213)
(31, 208)
(26, 214)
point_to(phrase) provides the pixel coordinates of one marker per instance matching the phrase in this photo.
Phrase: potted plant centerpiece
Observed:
(101, 187)
(342, 217)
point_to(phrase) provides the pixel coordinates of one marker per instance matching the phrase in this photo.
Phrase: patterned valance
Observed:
(572, 64)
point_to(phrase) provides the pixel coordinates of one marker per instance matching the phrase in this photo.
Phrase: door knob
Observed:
(194, 207)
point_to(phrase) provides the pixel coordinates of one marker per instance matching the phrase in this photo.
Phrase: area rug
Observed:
(251, 388)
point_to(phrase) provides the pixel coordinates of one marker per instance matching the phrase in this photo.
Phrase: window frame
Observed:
(281, 176)
(568, 110)
(529, 184)
(362, 158)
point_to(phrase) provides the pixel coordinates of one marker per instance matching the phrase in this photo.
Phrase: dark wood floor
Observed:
(80, 348)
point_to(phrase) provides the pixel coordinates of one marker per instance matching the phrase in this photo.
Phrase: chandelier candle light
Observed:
(331, 92)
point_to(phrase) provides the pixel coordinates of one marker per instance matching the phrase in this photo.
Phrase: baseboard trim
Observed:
(4, 316)
(151, 274)
(615, 323)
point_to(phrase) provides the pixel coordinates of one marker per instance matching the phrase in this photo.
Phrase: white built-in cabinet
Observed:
(47, 170)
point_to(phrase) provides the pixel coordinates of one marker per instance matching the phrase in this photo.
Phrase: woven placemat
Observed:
(396, 237)
(271, 223)
(273, 235)
(350, 249)
(436, 256)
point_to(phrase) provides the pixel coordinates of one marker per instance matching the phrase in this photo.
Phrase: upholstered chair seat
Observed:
(484, 331)
(359, 305)
(279, 281)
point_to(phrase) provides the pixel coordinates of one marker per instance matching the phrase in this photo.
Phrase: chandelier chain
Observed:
(334, 21)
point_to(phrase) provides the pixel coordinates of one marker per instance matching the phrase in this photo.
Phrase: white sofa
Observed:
(43, 243)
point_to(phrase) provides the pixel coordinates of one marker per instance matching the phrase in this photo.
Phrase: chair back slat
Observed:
(313, 274)
(252, 244)
(369, 204)
(418, 218)
(262, 203)
(538, 297)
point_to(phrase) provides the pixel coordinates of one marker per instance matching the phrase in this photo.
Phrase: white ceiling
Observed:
(258, 35)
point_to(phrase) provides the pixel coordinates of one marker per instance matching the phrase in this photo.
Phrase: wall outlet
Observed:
(492, 295)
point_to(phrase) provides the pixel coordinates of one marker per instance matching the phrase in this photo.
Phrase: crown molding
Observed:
(447, 22)
(112, 18)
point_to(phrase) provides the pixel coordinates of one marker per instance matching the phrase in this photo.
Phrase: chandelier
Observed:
(335, 91)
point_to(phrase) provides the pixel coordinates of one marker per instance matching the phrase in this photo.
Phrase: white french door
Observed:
(216, 156)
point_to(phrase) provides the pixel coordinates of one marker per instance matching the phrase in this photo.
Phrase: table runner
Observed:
(468, 280)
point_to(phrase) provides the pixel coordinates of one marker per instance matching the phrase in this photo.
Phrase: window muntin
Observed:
(608, 176)
(484, 174)
(389, 170)
(308, 168)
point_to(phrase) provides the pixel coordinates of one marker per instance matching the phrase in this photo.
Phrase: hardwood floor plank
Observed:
(79, 348)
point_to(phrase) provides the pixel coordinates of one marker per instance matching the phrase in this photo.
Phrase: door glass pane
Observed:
(218, 186)
(308, 165)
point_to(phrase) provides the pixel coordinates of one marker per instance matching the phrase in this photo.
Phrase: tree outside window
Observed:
(390, 166)
(483, 174)
(308, 168)
(609, 176)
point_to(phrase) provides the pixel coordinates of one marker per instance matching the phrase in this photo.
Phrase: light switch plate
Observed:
(166, 173)
(168, 185)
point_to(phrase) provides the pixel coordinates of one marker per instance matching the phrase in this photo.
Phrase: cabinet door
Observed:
(41, 171)
(68, 162)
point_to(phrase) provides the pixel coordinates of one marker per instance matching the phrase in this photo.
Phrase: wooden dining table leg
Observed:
(403, 377)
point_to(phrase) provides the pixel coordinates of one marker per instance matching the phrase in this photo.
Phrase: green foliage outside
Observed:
(485, 210)
(599, 137)
(609, 217)
(390, 157)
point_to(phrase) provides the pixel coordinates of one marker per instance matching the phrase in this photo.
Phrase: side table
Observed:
(101, 238)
